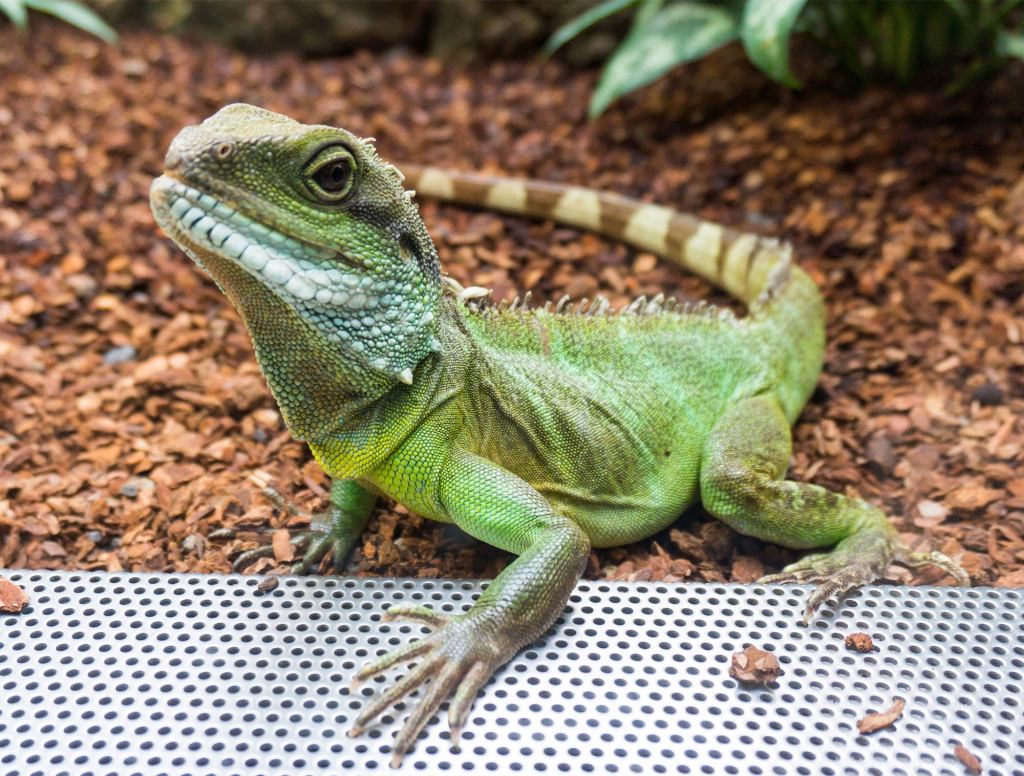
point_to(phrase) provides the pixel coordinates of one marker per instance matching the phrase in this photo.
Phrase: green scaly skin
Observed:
(542, 432)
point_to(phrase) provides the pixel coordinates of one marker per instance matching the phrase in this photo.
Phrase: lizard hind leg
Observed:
(742, 484)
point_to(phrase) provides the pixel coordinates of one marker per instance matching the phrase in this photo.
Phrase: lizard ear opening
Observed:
(410, 250)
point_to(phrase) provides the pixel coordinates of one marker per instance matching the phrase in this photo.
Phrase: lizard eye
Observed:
(330, 174)
(332, 177)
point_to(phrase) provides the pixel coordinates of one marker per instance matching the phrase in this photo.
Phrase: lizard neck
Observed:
(318, 386)
(376, 428)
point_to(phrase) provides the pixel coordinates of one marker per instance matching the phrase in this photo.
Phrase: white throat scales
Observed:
(361, 312)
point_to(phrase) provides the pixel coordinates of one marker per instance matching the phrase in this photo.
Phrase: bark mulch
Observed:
(133, 413)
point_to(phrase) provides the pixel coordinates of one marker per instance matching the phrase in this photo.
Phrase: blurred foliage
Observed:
(872, 40)
(452, 30)
(69, 11)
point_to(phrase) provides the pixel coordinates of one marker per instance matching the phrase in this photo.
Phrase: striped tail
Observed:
(745, 266)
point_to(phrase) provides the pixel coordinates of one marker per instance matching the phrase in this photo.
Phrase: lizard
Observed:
(544, 431)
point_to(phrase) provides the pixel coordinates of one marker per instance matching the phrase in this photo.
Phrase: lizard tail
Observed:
(748, 267)
(759, 271)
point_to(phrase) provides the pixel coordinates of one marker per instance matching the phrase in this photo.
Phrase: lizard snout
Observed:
(194, 150)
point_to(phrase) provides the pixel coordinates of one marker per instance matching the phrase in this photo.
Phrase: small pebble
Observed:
(988, 395)
(136, 484)
(119, 355)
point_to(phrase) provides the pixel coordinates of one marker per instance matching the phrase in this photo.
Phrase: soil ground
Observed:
(133, 413)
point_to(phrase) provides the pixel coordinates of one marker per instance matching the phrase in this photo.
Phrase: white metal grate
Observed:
(196, 674)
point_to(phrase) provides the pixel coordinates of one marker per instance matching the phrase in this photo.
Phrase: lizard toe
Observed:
(462, 703)
(326, 536)
(459, 657)
(855, 561)
(837, 584)
(247, 558)
(404, 653)
(319, 544)
(415, 613)
(915, 560)
(817, 567)
(417, 676)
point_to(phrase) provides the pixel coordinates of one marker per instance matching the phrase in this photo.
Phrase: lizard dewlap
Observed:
(545, 431)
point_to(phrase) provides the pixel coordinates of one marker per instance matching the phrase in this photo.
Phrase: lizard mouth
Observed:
(295, 269)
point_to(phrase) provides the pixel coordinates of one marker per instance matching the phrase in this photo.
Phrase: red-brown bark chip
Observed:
(755, 666)
(881, 719)
(12, 598)
(268, 584)
(859, 642)
(284, 552)
(971, 763)
(134, 411)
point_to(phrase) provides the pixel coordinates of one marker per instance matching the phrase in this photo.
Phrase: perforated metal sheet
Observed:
(193, 674)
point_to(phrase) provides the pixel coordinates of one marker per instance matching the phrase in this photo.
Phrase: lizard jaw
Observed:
(291, 268)
(315, 281)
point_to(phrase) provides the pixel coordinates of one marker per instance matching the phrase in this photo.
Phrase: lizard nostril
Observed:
(173, 160)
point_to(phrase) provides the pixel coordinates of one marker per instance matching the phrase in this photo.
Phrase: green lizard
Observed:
(543, 431)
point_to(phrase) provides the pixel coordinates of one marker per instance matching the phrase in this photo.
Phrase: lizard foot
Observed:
(459, 656)
(857, 560)
(326, 533)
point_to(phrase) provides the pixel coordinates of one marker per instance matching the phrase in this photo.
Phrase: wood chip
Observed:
(755, 666)
(972, 497)
(125, 365)
(859, 642)
(12, 598)
(971, 763)
(930, 514)
(881, 719)
(284, 551)
(268, 584)
(746, 569)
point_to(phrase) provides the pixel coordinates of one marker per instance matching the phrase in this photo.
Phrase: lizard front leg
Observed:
(336, 529)
(742, 484)
(497, 507)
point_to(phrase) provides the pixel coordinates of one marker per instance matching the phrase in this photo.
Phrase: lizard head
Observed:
(310, 235)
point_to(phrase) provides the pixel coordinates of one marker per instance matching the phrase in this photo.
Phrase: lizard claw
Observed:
(318, 542)
(916, 560)
(247, 558)
(855, 561)
(458, 657)
(323, 536)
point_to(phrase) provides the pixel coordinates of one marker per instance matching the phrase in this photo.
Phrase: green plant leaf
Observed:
(765, 30)
(959, 7)
(588, 18)
(77, 15)
(644, 13)
(999, 12)
(1010, 44)
(675, 34)
(15, 11)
